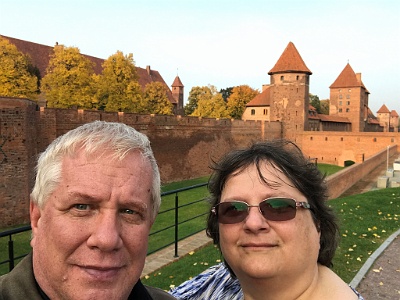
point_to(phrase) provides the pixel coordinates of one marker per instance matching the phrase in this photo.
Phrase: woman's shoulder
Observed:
(331, 283)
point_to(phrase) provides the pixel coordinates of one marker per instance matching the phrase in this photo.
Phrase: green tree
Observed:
(117, 86)
(68, 82)
(241, 95)
(211, 108)
(324, 105)
(17, 75)
(315, 102)
(155, 100)
(226, 93)
(197, 93)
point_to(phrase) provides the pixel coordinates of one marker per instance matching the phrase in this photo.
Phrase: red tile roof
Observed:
(263, 99)
(289, 62)
(393, 113)
(383, 110)
(40, 55)
(332, 118)
(177, 82)
(347, 78)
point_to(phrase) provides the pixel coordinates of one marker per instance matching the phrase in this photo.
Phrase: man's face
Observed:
(90, 238)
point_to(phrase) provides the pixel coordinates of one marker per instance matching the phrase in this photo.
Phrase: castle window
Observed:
(340, 90)
(348, 96)
(374, 140)
(341, 139)
(340, 110)
(348, 102)
(340, 102)
(349, 90)
(253, 112)
(282, 77)
(297, 77)
(326, 138)
(311, 138)
(340, 96)
(347, 109)
(265, 111)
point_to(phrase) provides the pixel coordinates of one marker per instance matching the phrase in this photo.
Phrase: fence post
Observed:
(10, 254)
(176, 224)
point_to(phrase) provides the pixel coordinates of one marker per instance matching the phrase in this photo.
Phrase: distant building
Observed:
(177, 93)
(286, 99)
(40, 56)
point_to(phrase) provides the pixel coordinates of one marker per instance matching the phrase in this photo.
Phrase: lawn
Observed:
(366, 220)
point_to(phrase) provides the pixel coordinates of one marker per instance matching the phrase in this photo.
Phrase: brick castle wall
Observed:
(341, 181)
(183, 146)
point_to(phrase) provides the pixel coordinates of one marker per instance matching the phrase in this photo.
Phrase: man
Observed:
(96, 196)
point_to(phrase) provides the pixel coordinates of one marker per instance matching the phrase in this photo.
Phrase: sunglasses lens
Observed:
(278, 209)
(232, 212)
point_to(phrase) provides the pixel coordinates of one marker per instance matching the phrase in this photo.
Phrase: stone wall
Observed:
(183, 146)
(341, 181)
(337, 147)
(17, 147)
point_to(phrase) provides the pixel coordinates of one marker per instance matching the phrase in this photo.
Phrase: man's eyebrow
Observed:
(83, 196)
(137, 204)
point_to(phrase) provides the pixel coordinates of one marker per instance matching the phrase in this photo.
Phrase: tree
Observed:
(315, 102)
(155, 100)
(197, 93)
(68, 82)
(324, 105)
(17, 75)
(226, 93)
(241, 95)
(117, 86)
(211, 108)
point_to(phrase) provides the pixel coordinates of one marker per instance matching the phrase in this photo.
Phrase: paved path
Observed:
(379, 278)
(166, 256)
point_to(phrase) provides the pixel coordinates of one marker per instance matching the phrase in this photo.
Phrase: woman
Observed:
(275, 232)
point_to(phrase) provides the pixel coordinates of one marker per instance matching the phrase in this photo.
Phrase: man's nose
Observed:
(105, 232)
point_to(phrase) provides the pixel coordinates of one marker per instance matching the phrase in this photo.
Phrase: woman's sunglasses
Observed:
(272, 209)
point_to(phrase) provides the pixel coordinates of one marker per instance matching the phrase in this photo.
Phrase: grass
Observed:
(366, 220)
(192, 216)
(329, 169)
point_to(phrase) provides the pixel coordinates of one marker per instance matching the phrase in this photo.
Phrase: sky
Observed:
(226, 43)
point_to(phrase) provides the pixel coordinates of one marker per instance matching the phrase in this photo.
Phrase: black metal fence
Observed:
(181, 201)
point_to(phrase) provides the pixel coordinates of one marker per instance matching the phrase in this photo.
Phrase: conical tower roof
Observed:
(383, 110)
(347, 78)
(290, 62)
(177, 82)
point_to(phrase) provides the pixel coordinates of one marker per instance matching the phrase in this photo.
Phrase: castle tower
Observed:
(177, 93)
(349, 98)
(394, 120)
(383, 115)
(290, 81)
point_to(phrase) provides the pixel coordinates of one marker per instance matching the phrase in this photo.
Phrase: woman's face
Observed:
(258, 248)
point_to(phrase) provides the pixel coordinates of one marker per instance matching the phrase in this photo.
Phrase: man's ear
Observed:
(35, 214)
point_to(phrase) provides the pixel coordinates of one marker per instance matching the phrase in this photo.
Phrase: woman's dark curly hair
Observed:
(286, 158)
